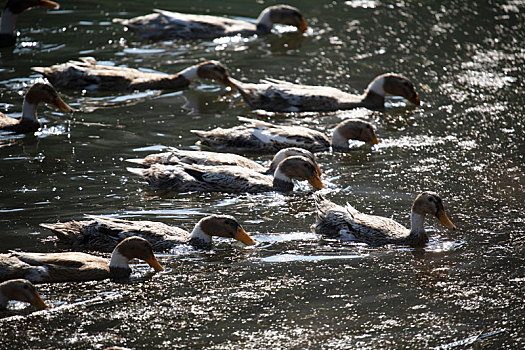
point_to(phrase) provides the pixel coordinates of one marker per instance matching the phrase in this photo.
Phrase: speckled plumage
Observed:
(103, 234)
(186, 177)
(175, 156)
(87, 74)
(262, 137)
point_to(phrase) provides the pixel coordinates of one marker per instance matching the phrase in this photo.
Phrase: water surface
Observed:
(295, 289)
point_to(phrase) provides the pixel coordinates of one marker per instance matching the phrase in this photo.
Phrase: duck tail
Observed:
(41, 70)
(136, 171)
(120, 21)
(65, 231)
(139, 161)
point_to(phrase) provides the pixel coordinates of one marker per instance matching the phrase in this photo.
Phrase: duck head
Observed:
(216, 71)
(431, 203)
(296, 167)
(290, 152)
(281, 14)
(21, 290)
(395, 85)
(353, 129)
(222, 226)
(18, 6)
(45, 92)
(131, 248)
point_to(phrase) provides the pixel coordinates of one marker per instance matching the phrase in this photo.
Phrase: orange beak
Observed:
(303, 26)
(374, 140)
(445, 221)
(48, 4)
(243, 237)
(316, 182)
(154, 263)
(37, 302)
(62, 106)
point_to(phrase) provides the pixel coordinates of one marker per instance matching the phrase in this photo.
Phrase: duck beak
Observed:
(318, 169)
(48, 4)
(37, 302)
(154, 263)
(303, 26)
(243, 237)
(62, 106)
(374, 140)
(316, 182)
(445, 221)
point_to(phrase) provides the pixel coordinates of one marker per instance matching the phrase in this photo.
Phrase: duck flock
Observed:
(181, 170)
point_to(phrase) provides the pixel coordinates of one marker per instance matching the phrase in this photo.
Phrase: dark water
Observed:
(295, 289)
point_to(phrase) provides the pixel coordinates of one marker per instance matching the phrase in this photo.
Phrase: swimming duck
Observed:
(73, 266)
(10, 14)
(337, 221)
(39, 92)
(263, 137)
(163, 25)
(281, 96)
(87, 74)
(103, 234)
(20, 290)
(186, 177)
(177, 156)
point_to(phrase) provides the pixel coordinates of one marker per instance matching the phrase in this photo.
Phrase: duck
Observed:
(74, 266)
(39, 92)
(10, 14)
(263, 137)
(347, 222)
(86, 74)
(281, 96)
(233, 179)
(20, 290)
(103, 234)
(176, 156)
(166, 25)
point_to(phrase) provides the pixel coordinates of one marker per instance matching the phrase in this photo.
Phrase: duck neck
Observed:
(281, 182)
(119, 265)
(339, 142)
(29, 112)
(199, 238)
(264, 22)
(372, 99)
(8, 22)
(3, 299)
(418, 224)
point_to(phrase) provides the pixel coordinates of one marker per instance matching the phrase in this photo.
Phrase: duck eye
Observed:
(26, 286)
(430, 199)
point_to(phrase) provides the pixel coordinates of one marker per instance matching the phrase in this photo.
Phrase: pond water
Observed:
(295, 289)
